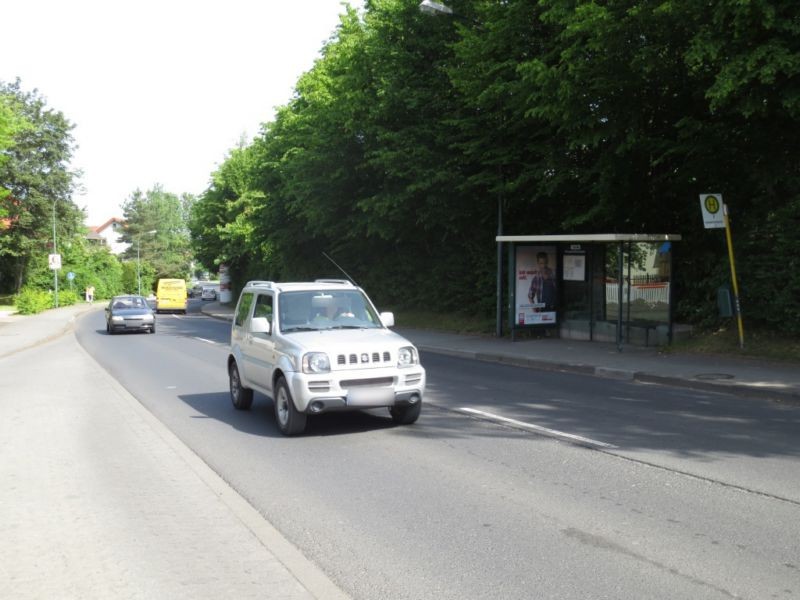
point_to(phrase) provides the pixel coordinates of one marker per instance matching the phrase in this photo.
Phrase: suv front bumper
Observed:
(355, 390)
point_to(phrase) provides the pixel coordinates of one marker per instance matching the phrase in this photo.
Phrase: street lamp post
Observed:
(435, 8)
(138, 259)
(430, 7)
(55, 251)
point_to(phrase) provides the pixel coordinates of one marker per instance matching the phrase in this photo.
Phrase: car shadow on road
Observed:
(260, 419)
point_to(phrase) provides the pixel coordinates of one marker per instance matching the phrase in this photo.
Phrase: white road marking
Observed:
(544, 430)
(212, 342)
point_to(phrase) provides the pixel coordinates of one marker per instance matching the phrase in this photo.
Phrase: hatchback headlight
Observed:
(117, 318)
(147, 317)
(316, 362)
(407, 356)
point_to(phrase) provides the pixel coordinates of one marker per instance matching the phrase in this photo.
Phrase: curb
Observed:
(743, 390)
(51, 336)
(305, 572)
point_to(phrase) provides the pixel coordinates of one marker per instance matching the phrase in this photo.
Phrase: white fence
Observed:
(652, 293)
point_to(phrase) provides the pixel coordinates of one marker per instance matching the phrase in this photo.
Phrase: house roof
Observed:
(111, 221)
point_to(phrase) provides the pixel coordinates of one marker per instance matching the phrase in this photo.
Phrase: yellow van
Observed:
(171, 295)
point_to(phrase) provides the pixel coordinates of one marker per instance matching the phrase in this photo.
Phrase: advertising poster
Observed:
(574, 266)
(536, 288)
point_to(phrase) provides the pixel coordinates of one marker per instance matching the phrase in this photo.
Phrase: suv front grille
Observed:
(374, 382)
(362, 358)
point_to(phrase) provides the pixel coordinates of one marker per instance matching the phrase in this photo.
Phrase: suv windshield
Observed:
(328, 309)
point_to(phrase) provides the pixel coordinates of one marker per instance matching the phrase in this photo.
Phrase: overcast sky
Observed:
(160, 90)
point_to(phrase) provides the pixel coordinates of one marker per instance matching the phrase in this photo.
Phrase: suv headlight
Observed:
(407, 356)
(316, 362)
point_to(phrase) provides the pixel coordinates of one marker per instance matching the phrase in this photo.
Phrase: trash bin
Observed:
(725, 301)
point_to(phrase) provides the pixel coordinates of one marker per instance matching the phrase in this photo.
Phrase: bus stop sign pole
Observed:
(736, 302)
(715, 216)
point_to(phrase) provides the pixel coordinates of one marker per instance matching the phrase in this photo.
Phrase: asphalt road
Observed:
(667, 493)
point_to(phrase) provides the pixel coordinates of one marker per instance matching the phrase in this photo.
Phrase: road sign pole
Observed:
(55, 251)
(736, 302)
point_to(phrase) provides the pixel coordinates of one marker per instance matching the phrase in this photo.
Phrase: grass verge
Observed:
(757, 344)
(450, 322)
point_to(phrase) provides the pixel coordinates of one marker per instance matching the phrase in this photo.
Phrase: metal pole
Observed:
(499, 316)
(55, 251)
(670, 299)
(138, 265)
(628, 297)
(619, 297)
(733, 276)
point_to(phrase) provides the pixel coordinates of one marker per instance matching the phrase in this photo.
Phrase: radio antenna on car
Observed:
(350, 279)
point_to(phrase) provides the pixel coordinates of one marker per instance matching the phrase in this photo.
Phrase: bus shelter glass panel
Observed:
(643, 291)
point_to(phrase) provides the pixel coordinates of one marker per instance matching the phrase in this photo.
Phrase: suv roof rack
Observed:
(266, 284)
(339, 281)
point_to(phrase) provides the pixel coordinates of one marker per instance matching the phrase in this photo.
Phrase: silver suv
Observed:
(318, 347)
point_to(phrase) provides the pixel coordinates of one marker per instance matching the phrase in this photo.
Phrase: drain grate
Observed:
(713, 376)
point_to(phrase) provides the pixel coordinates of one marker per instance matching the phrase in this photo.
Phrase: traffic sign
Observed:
(54, 261)
(713, 211)
(70, 276)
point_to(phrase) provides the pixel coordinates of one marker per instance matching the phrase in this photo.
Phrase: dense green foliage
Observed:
(92, 265)
(155, 228)
(12, 123)
(30, 301)
(573, 116)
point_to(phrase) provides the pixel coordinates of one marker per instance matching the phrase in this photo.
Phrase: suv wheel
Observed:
(241, 397)
(406, 415)
(290, 420)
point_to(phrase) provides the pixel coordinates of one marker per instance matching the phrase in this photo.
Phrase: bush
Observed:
(31, 301)
(67, 298)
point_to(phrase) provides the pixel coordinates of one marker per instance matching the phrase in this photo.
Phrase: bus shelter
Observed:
(597, 287)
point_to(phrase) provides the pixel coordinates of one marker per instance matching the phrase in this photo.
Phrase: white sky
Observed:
(160, 90)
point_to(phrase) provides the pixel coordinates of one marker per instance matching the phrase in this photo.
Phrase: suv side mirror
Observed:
(387, 319)
(259, 325)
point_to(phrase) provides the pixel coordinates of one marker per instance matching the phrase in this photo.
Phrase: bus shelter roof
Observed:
(593, 237)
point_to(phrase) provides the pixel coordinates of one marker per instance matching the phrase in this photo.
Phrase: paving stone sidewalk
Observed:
(98, 499)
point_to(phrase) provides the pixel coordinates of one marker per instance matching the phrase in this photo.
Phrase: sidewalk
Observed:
(100, 500)
(743, 376)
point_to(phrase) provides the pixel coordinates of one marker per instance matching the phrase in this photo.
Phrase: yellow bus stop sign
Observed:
(711, 205)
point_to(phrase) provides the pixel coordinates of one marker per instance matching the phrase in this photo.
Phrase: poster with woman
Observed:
(536, 290)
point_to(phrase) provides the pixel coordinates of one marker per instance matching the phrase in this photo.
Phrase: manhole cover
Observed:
(713, 376)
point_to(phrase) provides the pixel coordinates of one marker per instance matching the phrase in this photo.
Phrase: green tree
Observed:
(12, 122)
(571, 116)
(220, 223)
(167, 249)
(39, 186)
